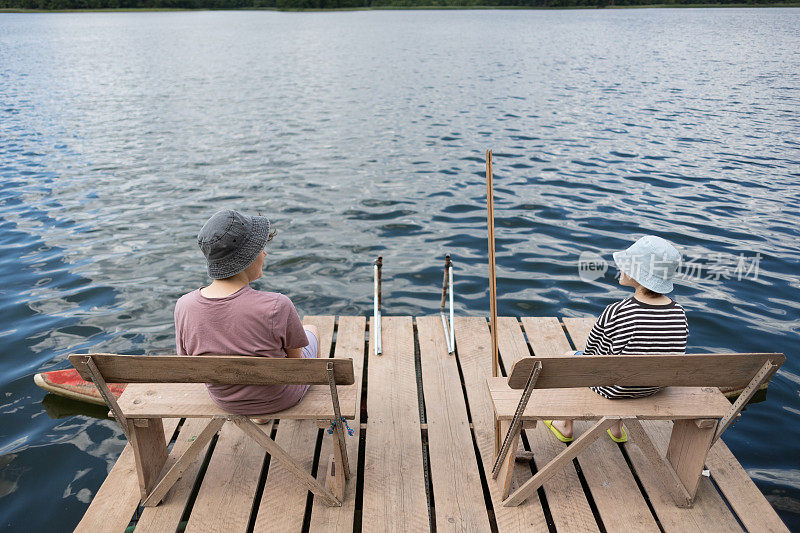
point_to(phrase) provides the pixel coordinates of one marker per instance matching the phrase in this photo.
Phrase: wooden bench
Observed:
(556, 388)
(172, 386)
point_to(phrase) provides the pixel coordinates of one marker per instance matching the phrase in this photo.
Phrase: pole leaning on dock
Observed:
(447, 282)
(376, 322)
(492, 282)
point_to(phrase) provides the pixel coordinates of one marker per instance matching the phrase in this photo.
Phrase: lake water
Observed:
(363, 133)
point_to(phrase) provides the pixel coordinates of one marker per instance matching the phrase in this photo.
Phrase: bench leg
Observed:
(279, 454)
(149, 451)
(663, 468)
(687, 451)
(558, 462)
(337, 475)
(506, 471)
(174, 473)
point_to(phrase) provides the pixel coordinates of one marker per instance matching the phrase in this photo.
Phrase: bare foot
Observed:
(616, 430)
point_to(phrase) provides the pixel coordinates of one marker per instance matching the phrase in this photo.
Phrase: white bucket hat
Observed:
(651, 261)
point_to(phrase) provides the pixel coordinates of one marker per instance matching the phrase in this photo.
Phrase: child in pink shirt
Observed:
(229, 317)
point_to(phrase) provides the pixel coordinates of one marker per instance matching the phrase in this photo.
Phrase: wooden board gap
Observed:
(639, 484)
(262, 479)
(418, 371)
(548, 515)
(426, 458)
(359, 504)
(201, 474)
(426, 466)
(589, 498)
(727, 503)
(314, 471)
(466, 397)
(487, 496)
(364, 374)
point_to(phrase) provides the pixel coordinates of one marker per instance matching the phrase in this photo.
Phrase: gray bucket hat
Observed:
(651, 261)
(231, 241)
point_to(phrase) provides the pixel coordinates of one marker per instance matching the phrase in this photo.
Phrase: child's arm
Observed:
(598, 342)
(297, 353)
(294, 353)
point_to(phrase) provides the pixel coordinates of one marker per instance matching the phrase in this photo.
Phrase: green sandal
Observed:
(623, 438)
(557, 433)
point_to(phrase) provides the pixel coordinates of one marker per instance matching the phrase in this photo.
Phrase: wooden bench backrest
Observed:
(215, 369)
(682, 370)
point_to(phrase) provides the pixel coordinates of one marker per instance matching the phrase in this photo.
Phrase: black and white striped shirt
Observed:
(633, 327)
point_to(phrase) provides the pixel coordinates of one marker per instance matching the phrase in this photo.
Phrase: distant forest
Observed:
(337, 4)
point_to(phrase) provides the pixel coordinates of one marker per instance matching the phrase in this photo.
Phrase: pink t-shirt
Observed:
(247, 322)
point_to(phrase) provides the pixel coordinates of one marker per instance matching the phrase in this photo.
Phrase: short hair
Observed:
(650, 294)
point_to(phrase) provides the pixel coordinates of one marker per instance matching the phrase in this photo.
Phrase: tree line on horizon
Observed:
(337, 4)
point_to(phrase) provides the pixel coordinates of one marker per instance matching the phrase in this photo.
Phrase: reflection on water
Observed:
(362, 134)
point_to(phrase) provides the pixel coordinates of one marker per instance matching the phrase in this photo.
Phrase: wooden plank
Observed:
(473, 346)
(165, 517)
(568, 504)
(584, 404)
(226, 495)
(118, 497)
(457, 490)
(145, 400)
(283, 502)
(607, 475)
(349, 344)
(217, 369)
(394, 483)
(742, 494)
(684, 370)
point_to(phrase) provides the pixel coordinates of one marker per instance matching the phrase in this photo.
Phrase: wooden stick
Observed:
(105, 392)
(492, 282)
(338, 430)
(516, 422)
(764, 374)
(492, 279)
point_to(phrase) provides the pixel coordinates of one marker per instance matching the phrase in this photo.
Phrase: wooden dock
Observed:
(422, 447)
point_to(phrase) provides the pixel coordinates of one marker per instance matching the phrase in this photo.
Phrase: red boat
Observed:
(70, 384)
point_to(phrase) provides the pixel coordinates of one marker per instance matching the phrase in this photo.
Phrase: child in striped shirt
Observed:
(646, 323)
